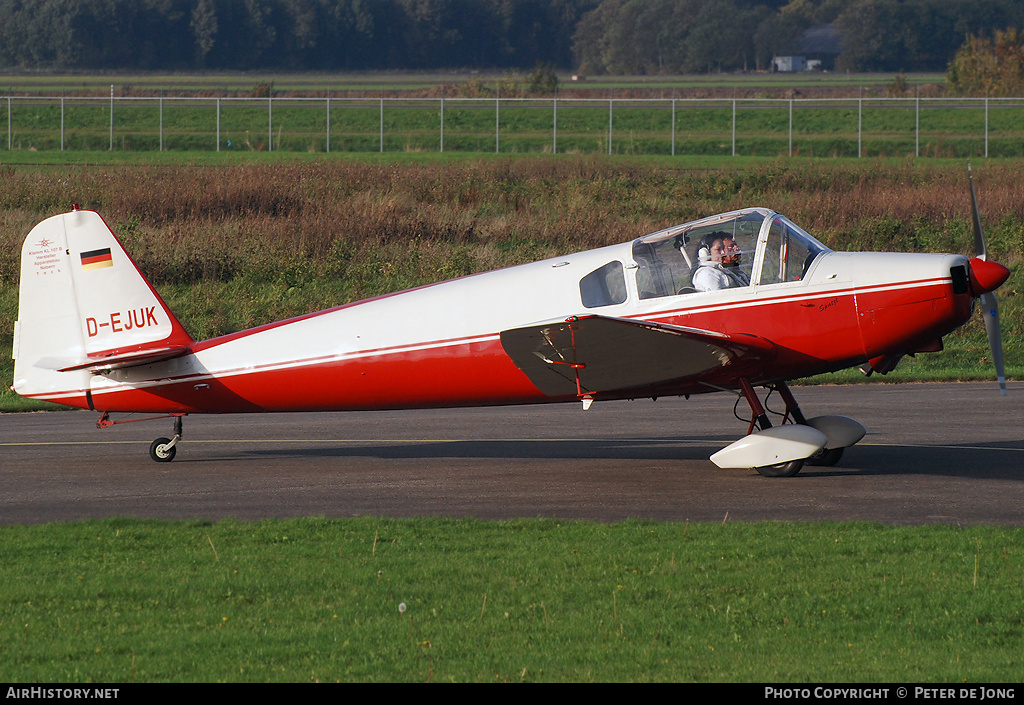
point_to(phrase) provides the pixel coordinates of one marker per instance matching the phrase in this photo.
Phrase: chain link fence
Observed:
(841, 127)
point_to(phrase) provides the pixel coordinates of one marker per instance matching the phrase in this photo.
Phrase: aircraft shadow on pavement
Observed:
(997, 460)
(672, 448)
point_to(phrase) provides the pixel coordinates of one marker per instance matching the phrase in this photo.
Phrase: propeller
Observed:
(989, 308)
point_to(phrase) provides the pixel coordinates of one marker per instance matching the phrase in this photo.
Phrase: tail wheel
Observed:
(162, 451)
(782, 469)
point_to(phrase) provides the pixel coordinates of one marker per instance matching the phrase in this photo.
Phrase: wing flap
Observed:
(594, 354)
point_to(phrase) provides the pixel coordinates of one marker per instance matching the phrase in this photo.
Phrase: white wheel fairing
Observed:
(779, 444)
(841, 431)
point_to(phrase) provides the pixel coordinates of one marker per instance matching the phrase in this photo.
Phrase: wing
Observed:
(598, 354)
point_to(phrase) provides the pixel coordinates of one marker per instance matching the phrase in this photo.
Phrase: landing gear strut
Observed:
(760, 419)
(791, 452)
(781, 451)
(826, 456)
(162, 450)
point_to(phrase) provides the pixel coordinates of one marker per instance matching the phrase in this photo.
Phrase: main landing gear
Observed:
(782, 451)
(162, 450)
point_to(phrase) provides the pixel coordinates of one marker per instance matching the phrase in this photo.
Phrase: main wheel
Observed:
(828, 457)
(160, 452)
(782, 469)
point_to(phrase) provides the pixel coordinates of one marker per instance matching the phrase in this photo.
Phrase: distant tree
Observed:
(722, 38)
(898, 87)
(162, 38)
(989, 67)
(244, 36)
(543, 79)
(589, 41)
(203, 25)
(638, 37)
(528, 31)
(346, 37)
(871, 31)
(41, 22)
(916, 35)
(776, 36)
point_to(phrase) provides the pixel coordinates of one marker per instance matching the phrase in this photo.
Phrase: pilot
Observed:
(719, 264)
(731, 262)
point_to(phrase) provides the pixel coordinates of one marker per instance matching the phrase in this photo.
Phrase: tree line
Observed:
(631, 37)
(989, 67)
(293, 35)
(636, 37)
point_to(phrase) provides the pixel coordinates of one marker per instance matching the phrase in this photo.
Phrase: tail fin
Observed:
(84, 306)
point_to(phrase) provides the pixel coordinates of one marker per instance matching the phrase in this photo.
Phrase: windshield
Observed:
(789, 252)
(668, 261)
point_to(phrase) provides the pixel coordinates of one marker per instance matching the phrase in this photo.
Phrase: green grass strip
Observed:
(373, 599)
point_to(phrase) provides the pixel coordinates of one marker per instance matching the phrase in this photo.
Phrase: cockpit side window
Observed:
(662, 270)
(605, 286)
(669, 262)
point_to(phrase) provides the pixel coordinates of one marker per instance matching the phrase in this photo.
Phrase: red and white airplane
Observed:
(624, 321)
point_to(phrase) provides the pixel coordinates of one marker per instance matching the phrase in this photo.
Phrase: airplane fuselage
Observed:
(439, 345)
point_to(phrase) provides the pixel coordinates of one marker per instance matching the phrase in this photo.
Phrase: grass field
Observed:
(373, 599)
(393, 83)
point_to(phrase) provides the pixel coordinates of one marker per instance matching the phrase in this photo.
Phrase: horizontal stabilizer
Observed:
(134, 359)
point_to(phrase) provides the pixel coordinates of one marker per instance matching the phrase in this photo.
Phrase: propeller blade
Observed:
(979, 237)
(989, 308)
(990, 311)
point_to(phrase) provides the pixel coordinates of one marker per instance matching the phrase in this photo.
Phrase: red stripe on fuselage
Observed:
(470, 374)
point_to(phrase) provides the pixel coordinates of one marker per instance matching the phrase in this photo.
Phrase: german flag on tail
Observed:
(97, 259)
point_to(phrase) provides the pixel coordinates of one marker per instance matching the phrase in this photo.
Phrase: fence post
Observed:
(218, 124)
(111, 118)
(442, 124)
(673, 127)
(791, 127)
(382, 125)
(734, 127)
(554, 124)
(62, 123)
(610, 125)
(270, 124)
(986, 127)
(161, 123)
(497, 125)
(328, 125)
(860, 109)
(917, 124)
(9, 123)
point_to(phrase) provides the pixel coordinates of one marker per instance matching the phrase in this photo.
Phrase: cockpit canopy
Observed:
(750, 246)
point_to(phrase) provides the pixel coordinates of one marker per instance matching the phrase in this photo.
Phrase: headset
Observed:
(704, 251)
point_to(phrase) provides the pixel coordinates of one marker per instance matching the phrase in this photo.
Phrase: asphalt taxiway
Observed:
(934, 453)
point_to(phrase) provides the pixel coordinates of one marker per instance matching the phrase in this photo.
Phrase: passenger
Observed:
(719, 258)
